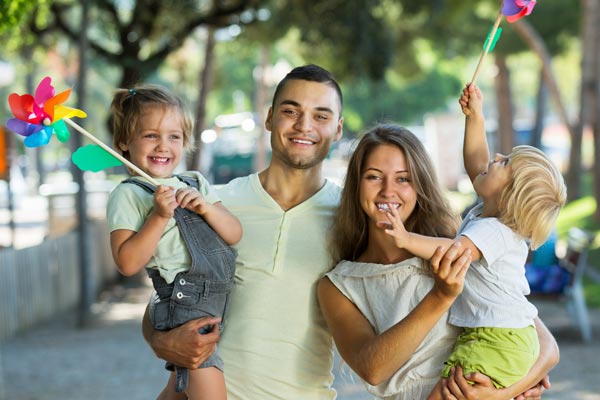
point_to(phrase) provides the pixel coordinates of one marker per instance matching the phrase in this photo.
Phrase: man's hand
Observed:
(183, 346)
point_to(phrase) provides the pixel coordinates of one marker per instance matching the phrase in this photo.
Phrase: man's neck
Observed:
(290, 187)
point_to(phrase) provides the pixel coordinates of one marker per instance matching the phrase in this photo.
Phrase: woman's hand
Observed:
(456, 387)
(535, 393)
(449, 269)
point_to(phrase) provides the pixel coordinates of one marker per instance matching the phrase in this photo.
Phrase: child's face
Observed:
(157, 144)
(489, 184)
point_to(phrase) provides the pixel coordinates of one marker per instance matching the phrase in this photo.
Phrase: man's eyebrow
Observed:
(296, 104)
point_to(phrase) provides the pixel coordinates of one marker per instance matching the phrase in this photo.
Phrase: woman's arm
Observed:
(183, 345)
(373, 357)
(527, 388)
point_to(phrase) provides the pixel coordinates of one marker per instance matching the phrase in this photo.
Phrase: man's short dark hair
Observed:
(312, 73)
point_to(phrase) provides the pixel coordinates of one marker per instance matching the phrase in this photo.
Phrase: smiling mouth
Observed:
(302, 141)
(160, 160)
(386, 206)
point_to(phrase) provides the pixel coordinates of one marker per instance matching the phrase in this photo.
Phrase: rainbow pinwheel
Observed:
(38, 116)
(513, 10)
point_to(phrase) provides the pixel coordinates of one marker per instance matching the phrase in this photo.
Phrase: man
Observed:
(275, 344)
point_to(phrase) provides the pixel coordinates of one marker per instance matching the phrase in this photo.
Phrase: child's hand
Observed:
(164, 201)
(193, 200)
(395, 226)
(471, 100)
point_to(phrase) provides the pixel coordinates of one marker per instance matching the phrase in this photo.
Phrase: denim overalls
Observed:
(201, 291)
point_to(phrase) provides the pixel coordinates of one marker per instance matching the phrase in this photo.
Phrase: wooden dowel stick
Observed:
(487, 48)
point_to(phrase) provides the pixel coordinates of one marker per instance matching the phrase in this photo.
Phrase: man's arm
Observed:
(182, 346)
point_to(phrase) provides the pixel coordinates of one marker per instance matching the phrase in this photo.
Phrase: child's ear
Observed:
(123, 147)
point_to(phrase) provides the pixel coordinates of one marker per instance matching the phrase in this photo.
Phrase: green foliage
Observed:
(15, 15)
(405, 102)
(12, 12)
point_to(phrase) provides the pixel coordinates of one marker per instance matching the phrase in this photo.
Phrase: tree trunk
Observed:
(205, 81)
(537, 45)
(86, 278)
(131, 76)
(540, 114)
(505, 130)
(595, 55)
(260, 155)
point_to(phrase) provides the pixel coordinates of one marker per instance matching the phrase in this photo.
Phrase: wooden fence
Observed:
(39, 282)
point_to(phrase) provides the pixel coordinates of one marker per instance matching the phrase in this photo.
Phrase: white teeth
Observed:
(160, 159)
(386, 206)
(302, 141)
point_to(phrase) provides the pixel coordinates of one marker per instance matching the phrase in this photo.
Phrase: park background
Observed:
(397, 61)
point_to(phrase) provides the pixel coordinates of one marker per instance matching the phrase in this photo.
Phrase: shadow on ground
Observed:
(109, 360)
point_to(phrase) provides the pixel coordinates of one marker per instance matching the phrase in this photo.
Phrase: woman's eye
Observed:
(403, 179)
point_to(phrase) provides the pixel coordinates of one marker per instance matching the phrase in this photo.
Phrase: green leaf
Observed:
(94, 158)
(494, 40)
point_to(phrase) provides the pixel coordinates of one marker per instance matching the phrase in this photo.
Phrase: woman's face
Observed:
(386, 182)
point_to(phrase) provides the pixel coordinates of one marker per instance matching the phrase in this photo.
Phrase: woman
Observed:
(386, 309)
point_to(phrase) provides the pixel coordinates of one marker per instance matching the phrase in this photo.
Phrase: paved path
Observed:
(109, 360)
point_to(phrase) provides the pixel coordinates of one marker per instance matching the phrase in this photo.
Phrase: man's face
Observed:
(304, 122)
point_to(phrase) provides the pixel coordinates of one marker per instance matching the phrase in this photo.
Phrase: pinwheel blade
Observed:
(44, 91)
(21, 106)
(21, 127)
(40, 138)
(61, 131)
(61, 112)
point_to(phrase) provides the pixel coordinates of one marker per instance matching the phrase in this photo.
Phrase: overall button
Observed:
(179, 295)
(182, 281)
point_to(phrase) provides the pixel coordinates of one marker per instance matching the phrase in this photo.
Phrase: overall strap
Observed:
(150, 188)
(189, 180)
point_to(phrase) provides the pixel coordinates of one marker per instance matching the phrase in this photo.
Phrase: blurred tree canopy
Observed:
(139, 35)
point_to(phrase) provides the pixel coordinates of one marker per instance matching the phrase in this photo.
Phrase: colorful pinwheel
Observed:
(38, 116)
(513, 10)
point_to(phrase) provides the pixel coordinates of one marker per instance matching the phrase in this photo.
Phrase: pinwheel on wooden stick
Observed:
(37, 117)
(513, 10)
